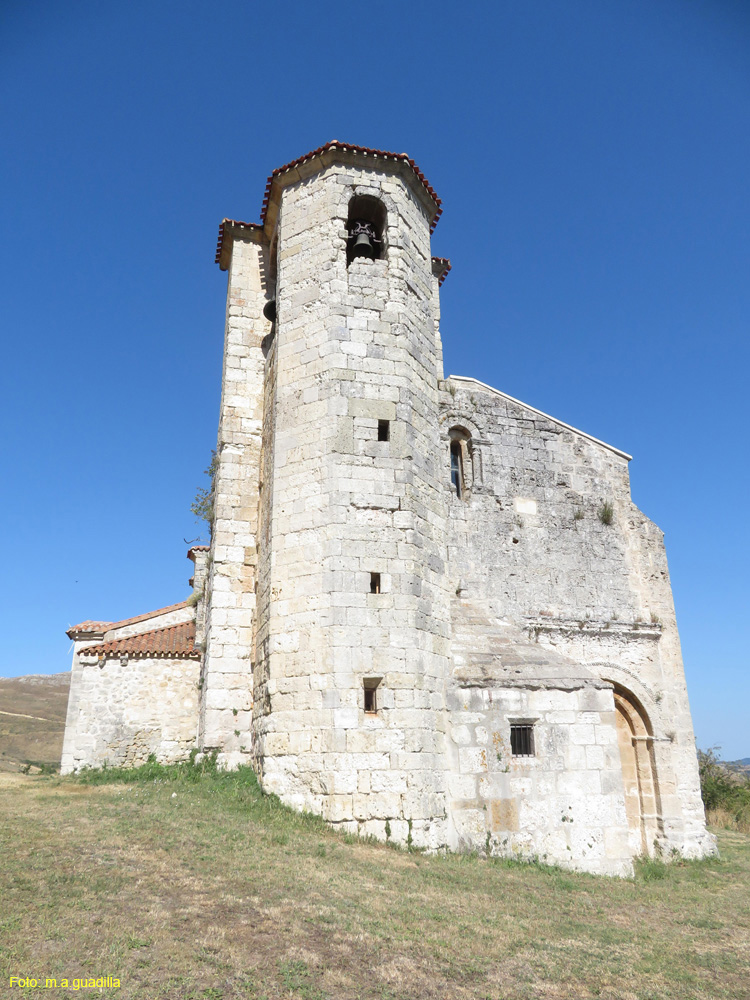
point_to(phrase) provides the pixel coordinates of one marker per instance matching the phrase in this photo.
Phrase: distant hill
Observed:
(739, 767)
(32, 719)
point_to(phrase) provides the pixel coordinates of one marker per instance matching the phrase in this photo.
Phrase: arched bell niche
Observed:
(366, 227)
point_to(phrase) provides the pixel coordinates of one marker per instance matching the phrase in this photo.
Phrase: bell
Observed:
(363, 247)
(269, 310)
(363, 236)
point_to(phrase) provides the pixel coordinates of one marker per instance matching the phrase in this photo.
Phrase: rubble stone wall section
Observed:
(533, 537)
(122, 711)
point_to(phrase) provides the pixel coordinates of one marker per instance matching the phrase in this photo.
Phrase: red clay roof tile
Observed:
(441, 266)
(88, 626)
(177, 641)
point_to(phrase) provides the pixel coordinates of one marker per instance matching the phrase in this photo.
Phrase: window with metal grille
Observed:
(522, 740)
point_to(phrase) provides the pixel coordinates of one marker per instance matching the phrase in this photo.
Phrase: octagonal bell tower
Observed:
(351, 629)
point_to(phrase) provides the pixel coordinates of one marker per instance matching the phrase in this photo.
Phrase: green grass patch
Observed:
(189, 882)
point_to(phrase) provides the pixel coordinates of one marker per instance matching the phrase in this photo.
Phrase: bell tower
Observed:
(352, 619)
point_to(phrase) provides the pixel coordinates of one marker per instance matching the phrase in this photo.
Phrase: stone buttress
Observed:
(227, 692)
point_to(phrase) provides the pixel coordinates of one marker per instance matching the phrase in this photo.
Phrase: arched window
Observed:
(462, 459)
(457, 468)
(366, 223)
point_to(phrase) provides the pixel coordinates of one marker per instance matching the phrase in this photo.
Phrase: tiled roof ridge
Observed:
(126, 621)
(173, 640)
(89, 626)
(346, 147)
(333, 144)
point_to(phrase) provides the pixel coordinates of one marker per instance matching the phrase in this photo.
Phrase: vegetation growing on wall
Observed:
(203, 504)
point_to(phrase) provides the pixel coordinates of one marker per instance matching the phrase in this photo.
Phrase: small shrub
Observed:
(578, 514)
(40, 767)
(726, 796)
(203, 504)
(606, 513)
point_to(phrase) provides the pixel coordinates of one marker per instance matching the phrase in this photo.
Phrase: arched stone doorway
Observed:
(635, 739)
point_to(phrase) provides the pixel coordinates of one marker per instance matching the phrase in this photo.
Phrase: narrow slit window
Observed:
(374, 583)
(371, 694)
(384, 430)
(522, 740)
(457, 468)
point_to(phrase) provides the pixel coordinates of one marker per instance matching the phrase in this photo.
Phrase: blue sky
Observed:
(592, 160)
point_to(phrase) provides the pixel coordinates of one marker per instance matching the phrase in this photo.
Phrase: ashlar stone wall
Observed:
(563, 805)
(353, 345)
(227, 676)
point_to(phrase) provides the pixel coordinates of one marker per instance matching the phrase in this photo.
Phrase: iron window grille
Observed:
(522, 740)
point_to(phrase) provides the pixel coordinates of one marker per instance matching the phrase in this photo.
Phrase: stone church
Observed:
(429, 611)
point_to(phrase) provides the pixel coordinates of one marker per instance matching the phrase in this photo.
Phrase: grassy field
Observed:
(32, 720)
(200, 887)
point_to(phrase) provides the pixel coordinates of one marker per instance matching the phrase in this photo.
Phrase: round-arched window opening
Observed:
(462, 461)
(365, 225)
(457, 468)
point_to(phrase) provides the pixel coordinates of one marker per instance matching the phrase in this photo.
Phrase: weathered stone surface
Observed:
(405, 568)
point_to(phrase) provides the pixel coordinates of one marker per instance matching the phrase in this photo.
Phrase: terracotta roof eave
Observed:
(293, 164)
(89, 626)
(440, 267)
(224, 227)
(350, 147)
(149, 614)
(174, 641)
(95, 653)
(197, 548)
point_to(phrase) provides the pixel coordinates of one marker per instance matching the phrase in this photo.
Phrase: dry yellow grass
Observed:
(723, 819)
(205, 889)
(32, 720)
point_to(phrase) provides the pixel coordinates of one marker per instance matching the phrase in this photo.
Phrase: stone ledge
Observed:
(572, 626)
